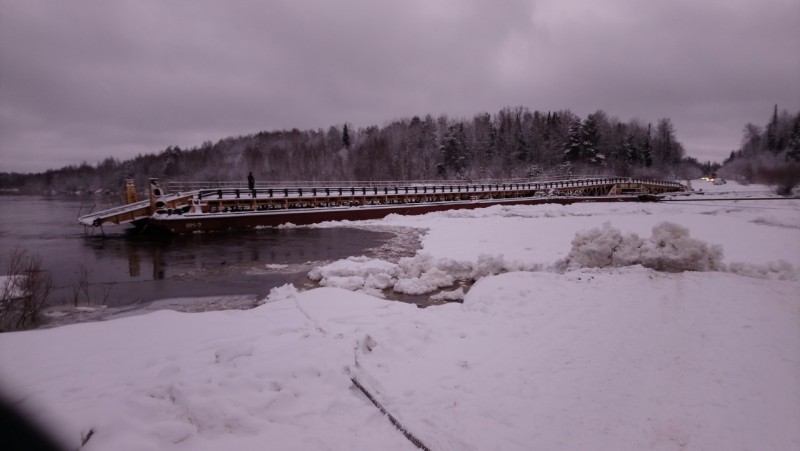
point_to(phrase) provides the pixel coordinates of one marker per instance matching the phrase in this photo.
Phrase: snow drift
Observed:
(669, 249)
(420, 274)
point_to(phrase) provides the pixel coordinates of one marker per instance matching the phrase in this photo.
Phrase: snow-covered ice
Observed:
(591, 326)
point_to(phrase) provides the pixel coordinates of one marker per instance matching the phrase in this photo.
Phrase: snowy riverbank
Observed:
(544, 352)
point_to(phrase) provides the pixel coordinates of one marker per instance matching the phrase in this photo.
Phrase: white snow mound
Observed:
(669, 249)
(420, 274)
(283, 292)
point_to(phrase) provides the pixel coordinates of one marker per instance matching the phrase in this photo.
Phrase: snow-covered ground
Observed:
(578, 330)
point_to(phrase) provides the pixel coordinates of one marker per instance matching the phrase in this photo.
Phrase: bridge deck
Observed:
(225, 199)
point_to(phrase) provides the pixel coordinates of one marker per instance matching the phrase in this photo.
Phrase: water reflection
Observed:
(157, 257)
(134, 267)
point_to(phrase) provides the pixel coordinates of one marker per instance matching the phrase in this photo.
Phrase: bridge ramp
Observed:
(118, 215)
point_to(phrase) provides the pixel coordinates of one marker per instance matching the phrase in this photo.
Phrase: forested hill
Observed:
(515, 142)
(769, 155)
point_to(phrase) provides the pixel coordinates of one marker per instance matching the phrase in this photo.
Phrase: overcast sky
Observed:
(81, 80)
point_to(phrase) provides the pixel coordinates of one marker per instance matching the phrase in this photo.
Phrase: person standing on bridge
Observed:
(251, 184)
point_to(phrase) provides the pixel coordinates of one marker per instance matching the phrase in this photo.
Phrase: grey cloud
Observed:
(86, 79)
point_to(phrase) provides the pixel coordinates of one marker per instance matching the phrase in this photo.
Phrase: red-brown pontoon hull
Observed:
(243, 220)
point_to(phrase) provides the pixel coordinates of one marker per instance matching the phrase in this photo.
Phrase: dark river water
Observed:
(125, 268)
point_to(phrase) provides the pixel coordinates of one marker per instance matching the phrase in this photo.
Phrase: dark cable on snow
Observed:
(411, 438)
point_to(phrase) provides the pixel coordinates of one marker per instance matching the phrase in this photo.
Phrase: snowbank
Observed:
(620, 358)
(10, 287)
(421, 274)
(670, 249)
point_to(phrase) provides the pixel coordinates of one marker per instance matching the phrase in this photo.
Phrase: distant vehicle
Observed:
(720, 181)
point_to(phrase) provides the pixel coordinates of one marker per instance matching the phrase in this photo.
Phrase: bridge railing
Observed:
(175, 187)
(386, 188)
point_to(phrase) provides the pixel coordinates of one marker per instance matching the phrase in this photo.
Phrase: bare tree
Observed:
(25, 291)
(80, 288)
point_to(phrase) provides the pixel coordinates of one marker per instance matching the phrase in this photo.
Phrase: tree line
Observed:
(515, 142)
(769, 155)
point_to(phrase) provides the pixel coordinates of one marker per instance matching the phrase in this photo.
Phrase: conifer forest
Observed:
(513, 143)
